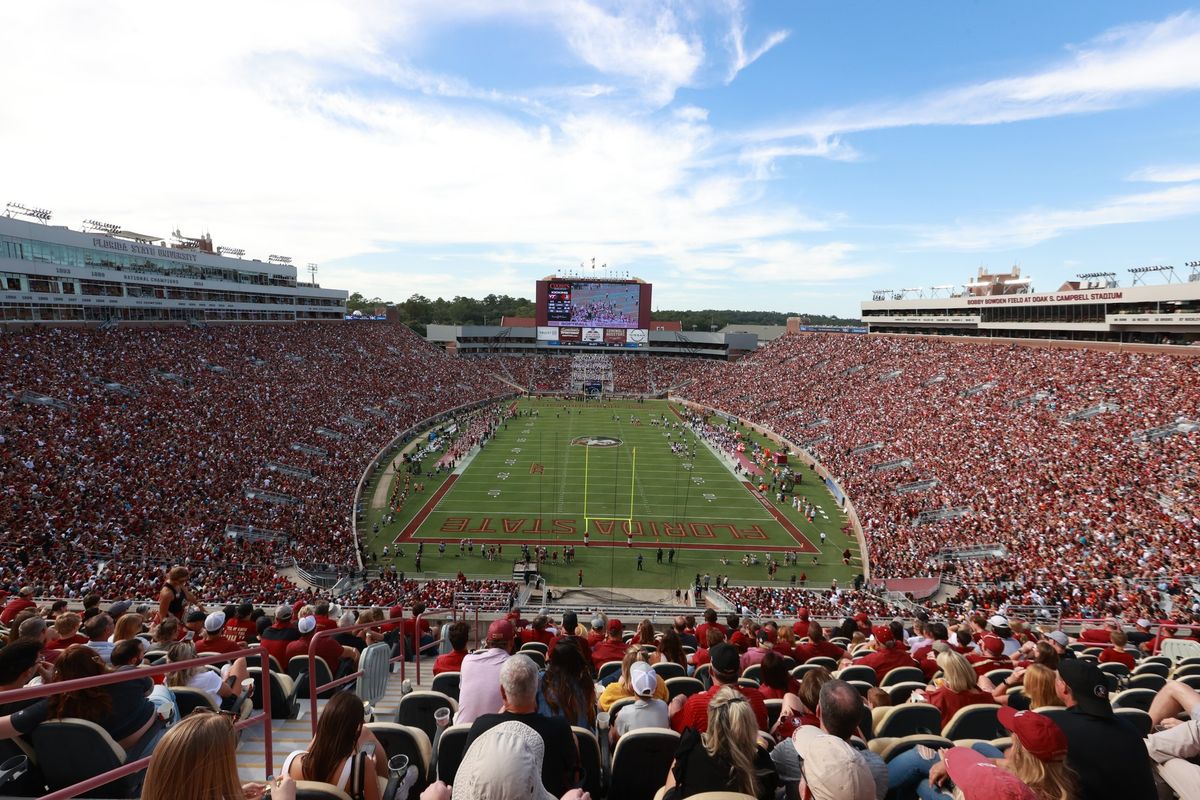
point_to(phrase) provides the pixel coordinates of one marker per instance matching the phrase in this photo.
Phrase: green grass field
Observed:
(532, 483)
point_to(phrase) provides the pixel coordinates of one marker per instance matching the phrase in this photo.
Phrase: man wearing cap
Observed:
(990, 657)
(20, 602)
(1000, 628)
(806, 755)
(214, 640)
(980, 778)
(596, 632)
(1106, 751)
(340, 659)
(479, 684)
(725, 666)
(890, 654)
(1060, 642)
(647, 711)
(516, 684)
(1141, 632)
(279, 635)
(612, 648)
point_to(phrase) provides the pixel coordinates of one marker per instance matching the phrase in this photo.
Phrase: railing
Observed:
(45, 690)
(314, 690)
(417, 646)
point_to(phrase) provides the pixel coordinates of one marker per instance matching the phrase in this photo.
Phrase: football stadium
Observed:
(581, 546)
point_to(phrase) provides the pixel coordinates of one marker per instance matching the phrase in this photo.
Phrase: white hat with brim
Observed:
(833, 769)
(505, 763)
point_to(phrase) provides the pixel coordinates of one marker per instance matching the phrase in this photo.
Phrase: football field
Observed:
(615, 479)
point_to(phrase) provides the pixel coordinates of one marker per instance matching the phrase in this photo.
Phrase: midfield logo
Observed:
(596, 441)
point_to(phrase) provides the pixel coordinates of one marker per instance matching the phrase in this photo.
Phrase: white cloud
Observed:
(1181, 173)
(1117, 69)
(1038, 225)
(736, 39)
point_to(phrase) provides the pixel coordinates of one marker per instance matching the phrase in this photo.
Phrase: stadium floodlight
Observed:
(881, 294)
(274, 259)
(96, 226)
(1193, 264)
(42, 215)
(231, 251)
(1139, 273)
(312, 272)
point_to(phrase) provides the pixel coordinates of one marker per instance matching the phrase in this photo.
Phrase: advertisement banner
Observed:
(614, 336)
(570, 334)
(593, 335)
(545, 334)
(638, 336)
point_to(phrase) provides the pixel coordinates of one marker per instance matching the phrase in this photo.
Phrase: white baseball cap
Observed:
(307, 624)
(214, 621)
(643, 681)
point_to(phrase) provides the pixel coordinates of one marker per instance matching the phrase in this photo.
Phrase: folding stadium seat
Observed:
(537, 657)
(92, 751)
(905, 720)
(540, 647)
(1134, 698)
(859, 672)
(1182, 671)
(754, 671)
(1146, 681)
(978, 721)
(417, 709)
(1152, 667)
(641, 762)
(798, 671)
(406, 740)
(447, 683)
(1114, 668)
(608, 668)
(774, 711)
(900, 692)
(452, 746)
(189, 700)
(864, 687)
(616, 707)
(284, 703)
(685, 686)
(30, 784)
(590, 761)
(669, 669)
(316, 790)
(890, 747)
(1140, 719)
(901, 675)
(371, 686)
(298, 671)
(1190, 680)
(998, 676)
(824, 661)
(702, 674)
(749, 683)
(1053, 712)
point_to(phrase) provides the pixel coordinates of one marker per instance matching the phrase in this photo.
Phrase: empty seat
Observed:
(447, 683)
(1147, 681)
(1134, 698)
(703, 674)
(284, 704)
(774, 711)
(536, 656)
(608, 668)
(749, 683)
(901, 675)
(298, 671)
(669, 669)
(754, 671)
(859, 672)
(1153, 668)
(540, 647)
(685, 686)
(189, 699)
(823, 661)
(977, 721)
(890, 747)
(900, 692)
(1115, 668)
(640, 763)
(373, 663)
(906, 720)
(589, 761)
(417, 709)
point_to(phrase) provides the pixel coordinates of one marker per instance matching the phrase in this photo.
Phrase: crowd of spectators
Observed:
(635, 374)
(165, 432)
(1087, 516)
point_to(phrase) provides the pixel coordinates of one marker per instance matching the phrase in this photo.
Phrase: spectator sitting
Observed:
(99, 629)
(1104, 750)
(128, 626)
(21, 601)
(710, 621)
(416, 633)
(891, 652)
(821, 760)
(208, 740)
(692, 712)
(1037, 682)
(458, 635)
(223, 689)
(193, 624)
(818, 645)
(712, 636)
(669, 650)
(240, 629)
(878, 698)
(165, 634)
(120, 708)
(647, 711)
(214, 641)
(35, 628)
(686, 638)
(19, 663)
(755, 654)
(67, 626)
(623, 686)
(596, 634)
(775, 681)
(536, 632)
(612, 648)
(351, 638)
(1060, 642)
(1116, 654)
(340, 736)
(1175, 745)
(518, 690)
(321, 613)
(645, 634)
(279, 635)
(479, 685)
(572, 631)
(340, 659)
(566, 688)
(991, 658)
(725, 756)
(958, 687)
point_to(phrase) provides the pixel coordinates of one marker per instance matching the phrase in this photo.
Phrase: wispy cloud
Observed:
(1180, 173)
(1119, 68)
(1039, 225)
(736, 39)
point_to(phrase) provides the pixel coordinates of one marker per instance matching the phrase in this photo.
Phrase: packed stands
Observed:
(1067, 462)
(631, 374)
(127, 449)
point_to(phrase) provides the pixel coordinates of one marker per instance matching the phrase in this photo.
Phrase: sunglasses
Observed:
(228, 716)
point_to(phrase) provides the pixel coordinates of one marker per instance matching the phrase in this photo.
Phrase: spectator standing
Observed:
(175, 596)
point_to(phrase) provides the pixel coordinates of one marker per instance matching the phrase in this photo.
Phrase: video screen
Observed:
(595, 305)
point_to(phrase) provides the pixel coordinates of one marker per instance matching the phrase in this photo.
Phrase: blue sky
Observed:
(782, 156)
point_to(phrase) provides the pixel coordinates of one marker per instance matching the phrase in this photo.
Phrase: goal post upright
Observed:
(587, 518)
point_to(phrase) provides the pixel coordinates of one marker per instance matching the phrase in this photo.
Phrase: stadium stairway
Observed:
(294, 734)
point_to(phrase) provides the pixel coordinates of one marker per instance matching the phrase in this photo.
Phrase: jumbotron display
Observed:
(565, 302)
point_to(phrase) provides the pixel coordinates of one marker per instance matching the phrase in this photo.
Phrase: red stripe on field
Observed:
(805, 544)
(426, 510)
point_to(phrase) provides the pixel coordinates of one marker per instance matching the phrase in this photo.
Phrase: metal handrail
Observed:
(59, 687)
(314, 689)
(417, 646)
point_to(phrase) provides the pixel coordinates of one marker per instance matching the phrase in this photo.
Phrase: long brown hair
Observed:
(1039, 686)
(671, 649)
(128, 626)
(80, 661)
(337, 734)
(195, 760)
(731, 737)
(567, 684)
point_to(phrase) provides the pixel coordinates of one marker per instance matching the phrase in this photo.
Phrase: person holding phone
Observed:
(341, 736)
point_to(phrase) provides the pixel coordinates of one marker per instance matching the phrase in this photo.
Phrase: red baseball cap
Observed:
(882, 633)
(1039, 734)
(993, 644)
(500, 630)
(614, 625)
(980, 779)
(861, 617)
(802, 613)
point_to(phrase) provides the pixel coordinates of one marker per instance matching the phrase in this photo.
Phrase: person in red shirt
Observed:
(338, 657)
(710, 621)
(991, 657)
(321, 615)
(924, 656)
(817, 645)
(67, 626)
(240, 628)
(570, 632)
(458, 634)
(1100, 636)
(714, 637)
(15, 605)
(959, 686)
(692, 712)
(800, 626)
(277, 637)
(596, 634)
(891, 652)
(213, 641)
(740, 635)
(612, 648)
(536, 632)
(1116, 654)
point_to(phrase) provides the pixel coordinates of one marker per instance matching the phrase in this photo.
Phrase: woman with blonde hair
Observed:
(622, 687)
(219, 687)
(959, 686)
(206, 740)
(1037, 682)
(726, 757)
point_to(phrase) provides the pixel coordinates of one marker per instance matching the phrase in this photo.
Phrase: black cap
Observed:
(1088, 686)
(195, 616)
(725, 660)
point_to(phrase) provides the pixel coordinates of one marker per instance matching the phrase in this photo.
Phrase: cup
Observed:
(368, 712)
(248, 685)
(398, 765)
(442, 717)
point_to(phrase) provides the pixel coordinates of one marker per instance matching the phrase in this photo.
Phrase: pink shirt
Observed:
(479, 686)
